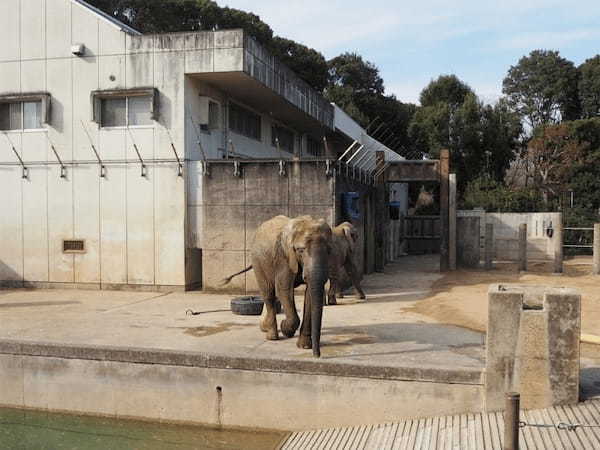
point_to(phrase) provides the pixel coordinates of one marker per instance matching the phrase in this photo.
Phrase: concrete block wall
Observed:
(533, 345)
(506, 230)
(231, 208)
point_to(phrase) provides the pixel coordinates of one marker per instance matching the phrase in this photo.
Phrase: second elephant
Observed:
(342, 258)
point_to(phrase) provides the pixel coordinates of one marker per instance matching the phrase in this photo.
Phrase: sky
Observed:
(414, 42)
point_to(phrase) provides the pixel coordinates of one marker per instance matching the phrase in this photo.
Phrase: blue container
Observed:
(351, 205)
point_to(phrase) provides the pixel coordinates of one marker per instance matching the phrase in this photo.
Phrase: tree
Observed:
(349, 69)
(307, 63)
(448, 89)
(542, 88)
(589, 87)
(553, 155)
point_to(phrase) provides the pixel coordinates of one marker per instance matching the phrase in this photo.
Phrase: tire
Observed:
(251, 306)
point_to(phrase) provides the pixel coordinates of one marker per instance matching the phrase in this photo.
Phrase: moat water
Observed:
(33, 430)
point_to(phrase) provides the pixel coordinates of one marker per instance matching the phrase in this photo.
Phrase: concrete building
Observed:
(105, 133)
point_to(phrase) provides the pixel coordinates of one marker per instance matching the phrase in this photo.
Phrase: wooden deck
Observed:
(477, 431)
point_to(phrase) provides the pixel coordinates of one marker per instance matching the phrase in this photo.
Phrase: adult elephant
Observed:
(342, 257)
(286, 253)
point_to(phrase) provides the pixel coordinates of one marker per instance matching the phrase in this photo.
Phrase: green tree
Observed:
(542, 88)
(349, 69)
(307, 63)
(448, 89)
(589, 87)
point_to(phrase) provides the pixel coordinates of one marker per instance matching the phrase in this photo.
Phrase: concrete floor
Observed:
(376, 331)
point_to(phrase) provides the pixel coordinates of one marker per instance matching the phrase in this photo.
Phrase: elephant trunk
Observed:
(317, 293)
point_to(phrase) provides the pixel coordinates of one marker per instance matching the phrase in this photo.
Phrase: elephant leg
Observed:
(285, 294)
(269, 323)
(332, 288)
(353, 274)
(304, 340)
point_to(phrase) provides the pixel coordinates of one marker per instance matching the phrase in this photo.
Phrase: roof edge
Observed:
(107, 17)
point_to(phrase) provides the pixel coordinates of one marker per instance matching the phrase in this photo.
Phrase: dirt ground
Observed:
(460, 298)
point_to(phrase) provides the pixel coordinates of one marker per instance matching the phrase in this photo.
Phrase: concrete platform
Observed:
(134, 354)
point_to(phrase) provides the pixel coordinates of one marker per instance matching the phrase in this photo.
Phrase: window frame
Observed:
(43, 98)
(274, 134)
(98, 96)
(242, 132)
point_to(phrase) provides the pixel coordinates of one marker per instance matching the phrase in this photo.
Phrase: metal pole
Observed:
(523, 247)
(596, 267)
(452, 222)
(511, 421)
(489, 246)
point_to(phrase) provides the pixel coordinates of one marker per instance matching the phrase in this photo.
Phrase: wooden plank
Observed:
(390, 435)
(471, 431)
(334, 440)
(364, 436)
(579, 417)
(326, 437)
(487, 432)
(500, 422)
(560, 442)
(419, 435)
(395, 444)
(315, 440)
(289, 443)
(351, 436)
(435, 428)
(402, 443)
(569, 441)
(413, 435)
(343, 438)
(479, 441)
(591, 418)
(545, 433)
(377, 436)
(494, 431)
(581, 433)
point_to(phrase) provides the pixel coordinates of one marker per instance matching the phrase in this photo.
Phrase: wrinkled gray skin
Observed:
(342, 257)
(287, 252)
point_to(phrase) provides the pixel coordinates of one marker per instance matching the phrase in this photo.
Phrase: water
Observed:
(33, 430)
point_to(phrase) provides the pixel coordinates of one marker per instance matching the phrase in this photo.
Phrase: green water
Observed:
(34, 430)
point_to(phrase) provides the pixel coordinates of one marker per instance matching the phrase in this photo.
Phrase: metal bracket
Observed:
(236, 169)
(328, 170)
(25, 173)
(205, 169)
(282, 168)
(102, 171)
(63, 172)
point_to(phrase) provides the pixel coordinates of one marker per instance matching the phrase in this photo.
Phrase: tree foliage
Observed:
(589, 87)
(349, 69)
(447, 89)
(543, 88)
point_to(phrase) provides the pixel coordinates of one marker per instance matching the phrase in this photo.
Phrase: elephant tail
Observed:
(225, 281)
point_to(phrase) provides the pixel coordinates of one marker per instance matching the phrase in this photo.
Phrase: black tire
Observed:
(251, 306)
(247, 306)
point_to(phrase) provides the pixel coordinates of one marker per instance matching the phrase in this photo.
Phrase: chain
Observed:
(560, 426)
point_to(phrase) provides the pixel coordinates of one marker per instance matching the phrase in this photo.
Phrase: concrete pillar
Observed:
(444, 210)
(452, 221)
(558, 246)
(489, 246)
(523, 247)
(596, 264)
(532, 342)
(381, 216)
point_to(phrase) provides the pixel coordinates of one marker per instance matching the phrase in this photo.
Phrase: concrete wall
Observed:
(271, 398)
(468, 252)
(229, 209)
(506, 232)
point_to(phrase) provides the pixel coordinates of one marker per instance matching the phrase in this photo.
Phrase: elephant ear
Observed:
(288, 235)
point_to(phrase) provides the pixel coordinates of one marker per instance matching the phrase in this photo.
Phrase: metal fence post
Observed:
(523, 247)
(596, 268)
(511, 421)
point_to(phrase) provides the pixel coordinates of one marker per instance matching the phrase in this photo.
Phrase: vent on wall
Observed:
(74, 246)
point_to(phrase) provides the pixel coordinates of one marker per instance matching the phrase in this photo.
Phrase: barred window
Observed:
(314, 147)
(126, 111)
(285, 137)
(244, 122)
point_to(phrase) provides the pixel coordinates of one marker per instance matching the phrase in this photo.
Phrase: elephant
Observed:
(286, 253)
(342, 257)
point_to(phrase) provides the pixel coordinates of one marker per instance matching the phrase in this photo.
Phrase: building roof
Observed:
(107, 17)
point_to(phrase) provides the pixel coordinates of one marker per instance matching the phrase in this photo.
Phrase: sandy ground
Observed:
(460, 298)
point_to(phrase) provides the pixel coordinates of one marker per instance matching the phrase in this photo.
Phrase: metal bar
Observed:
(180, 171)
(578, 246)
(197, 131)
(377, 130)
(347, 150)
(355, 153)
(362, 157)
(137, 151)
(371, 124)
(578, 229)
(102, 167)
(63, 169)
(25, 170)
(511, 421)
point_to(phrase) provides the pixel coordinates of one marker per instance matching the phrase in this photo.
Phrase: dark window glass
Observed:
(244, 122)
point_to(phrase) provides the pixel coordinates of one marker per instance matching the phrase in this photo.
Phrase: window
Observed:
(126, 111)
(285, 137)
(124, 107)
(314, 147)
(213, 116)
(21, 115)
(244, 122)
